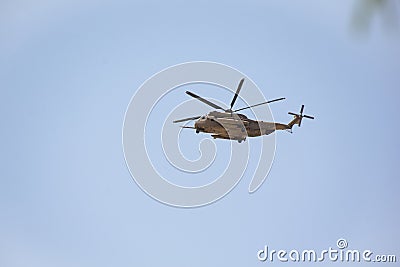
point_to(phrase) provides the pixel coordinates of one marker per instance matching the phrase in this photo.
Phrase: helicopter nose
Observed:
(198, 123)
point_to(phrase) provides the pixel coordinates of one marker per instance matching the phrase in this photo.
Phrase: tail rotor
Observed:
(301, 116)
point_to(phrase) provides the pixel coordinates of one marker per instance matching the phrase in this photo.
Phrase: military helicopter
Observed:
(235, 126)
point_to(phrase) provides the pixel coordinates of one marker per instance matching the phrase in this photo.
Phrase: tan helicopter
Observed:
(234, 126)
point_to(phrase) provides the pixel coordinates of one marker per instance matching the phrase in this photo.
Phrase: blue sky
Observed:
(68, 70)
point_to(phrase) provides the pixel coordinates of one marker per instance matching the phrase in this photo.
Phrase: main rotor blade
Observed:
(187, 119)
(263, 103)
(204, 100)
(237, 92)
(310, 117)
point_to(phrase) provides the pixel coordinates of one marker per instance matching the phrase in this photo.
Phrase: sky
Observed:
(68, 70)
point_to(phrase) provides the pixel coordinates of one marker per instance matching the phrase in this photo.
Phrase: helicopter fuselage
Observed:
(234, 126)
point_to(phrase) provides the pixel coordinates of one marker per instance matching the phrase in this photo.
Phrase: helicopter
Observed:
(231, 125)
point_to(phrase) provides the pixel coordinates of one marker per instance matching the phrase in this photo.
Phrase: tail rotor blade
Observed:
(301, 110)
(308, 117)
(237, 92)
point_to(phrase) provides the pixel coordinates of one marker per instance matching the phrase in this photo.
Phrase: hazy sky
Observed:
(69, 68)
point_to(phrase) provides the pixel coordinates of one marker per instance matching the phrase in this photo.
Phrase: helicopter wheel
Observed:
(239, 141)
(197, 131)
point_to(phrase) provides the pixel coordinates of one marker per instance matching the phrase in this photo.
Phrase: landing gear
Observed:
(197, 131)
(240, 140)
